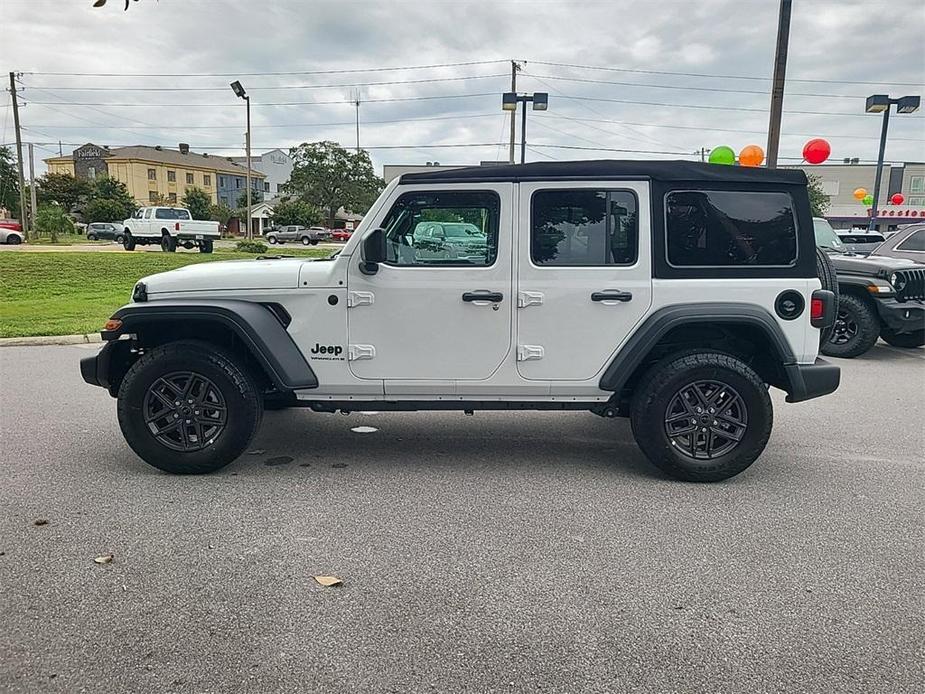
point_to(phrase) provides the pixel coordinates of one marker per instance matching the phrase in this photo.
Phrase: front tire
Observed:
(91, 237)
(856, 329)
(188, 408)
(905, 340)
(701, 416)
(13, 240)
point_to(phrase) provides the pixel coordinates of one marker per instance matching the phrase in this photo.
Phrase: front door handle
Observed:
(489, 297)
(611, 295)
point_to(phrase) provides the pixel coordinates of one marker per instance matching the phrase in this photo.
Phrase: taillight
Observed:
(177, 226)
(816, 309)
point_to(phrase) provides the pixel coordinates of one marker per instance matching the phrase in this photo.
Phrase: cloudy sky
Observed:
(626, 79)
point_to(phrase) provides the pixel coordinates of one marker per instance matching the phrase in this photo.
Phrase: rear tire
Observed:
(128, 242)
(827, 276)
(704, 446)
(168, 243)
(855, 331)
(306, 241)
(205, 246)
(905, 340)
(271, 240)
(220, 386)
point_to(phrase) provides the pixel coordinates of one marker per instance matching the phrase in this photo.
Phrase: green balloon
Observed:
(868, 200)
(723, 155)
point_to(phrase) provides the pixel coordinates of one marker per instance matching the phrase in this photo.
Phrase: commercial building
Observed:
(275, 165)
(839, 181)
(153, 173)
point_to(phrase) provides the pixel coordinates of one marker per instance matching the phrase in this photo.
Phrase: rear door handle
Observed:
(611, 295)
(488, 297)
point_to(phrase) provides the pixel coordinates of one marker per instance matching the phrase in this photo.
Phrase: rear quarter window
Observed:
(728, 228)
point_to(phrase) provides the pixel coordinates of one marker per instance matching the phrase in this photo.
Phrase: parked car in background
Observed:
(11, 232)
(878, 297)
(449, 240)
(104, 231)
(908, 243)
(169, 227)
(860, 241)
(297, 233)
(341, 235)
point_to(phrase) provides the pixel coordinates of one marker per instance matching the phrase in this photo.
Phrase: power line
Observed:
(721, 76)
(271, 103)
(762, 92)
(285, 86)
(252, 74)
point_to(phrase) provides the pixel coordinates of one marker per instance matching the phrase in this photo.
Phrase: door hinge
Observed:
(355, 352)
(529, 299)
(529, 352)
(360, 299)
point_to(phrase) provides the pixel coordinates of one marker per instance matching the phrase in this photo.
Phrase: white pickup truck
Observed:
(170, 227)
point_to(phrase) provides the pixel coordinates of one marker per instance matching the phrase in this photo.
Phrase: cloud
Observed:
(835, 41)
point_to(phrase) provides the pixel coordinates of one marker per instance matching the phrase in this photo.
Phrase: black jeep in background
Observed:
(878, 297)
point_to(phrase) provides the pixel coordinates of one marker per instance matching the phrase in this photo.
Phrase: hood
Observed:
(282, 273)
(869, 266)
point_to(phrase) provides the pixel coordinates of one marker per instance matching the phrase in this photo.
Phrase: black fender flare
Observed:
(257, 326)
(657, 325)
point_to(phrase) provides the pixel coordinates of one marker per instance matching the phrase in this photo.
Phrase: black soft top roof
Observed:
(603, 169)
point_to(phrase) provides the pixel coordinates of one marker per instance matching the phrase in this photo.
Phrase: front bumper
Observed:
(95, 369)
(809, 381)
(901, 316)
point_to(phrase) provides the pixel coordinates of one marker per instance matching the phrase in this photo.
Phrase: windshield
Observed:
(826, 236)
(462, 230)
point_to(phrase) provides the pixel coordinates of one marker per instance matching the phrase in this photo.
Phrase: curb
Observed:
(50, 340)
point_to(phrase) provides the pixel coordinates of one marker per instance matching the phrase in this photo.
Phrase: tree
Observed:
(198, 202)
(296, 212)
(62, 189)
(53, 220)
(118, 201)
(330, 177)
(220, 213)
(9, 182)
(818, 200)
(256, 197)
(104, 210)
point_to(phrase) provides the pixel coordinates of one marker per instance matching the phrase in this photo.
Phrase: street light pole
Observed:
(250, 233)
(509, 101)
(881, 103)
(523, 134)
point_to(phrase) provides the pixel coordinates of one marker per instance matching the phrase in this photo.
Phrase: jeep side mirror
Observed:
(374, 252)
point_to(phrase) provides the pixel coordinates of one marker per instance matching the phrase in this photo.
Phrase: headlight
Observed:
(898, 281)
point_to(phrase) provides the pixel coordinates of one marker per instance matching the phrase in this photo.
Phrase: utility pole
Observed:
(247, 143)
(777, 88)
(23, 217)
(515, 68)
(356, 101)
(34, 206)
(60, 149)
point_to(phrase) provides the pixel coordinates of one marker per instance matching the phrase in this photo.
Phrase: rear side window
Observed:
(916, 242)
(170, 213)
(720, 228)
(576, 227)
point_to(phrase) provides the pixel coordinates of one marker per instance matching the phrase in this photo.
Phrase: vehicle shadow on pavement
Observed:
(882, 352)
(429, 440)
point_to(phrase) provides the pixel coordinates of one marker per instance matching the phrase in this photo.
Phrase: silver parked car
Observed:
(11, 236)
(860, 241)
(297, 233)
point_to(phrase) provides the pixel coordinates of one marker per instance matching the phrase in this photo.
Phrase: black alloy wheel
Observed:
(185, 411)
(706, 420)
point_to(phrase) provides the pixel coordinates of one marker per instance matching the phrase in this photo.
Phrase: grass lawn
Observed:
(74, 293)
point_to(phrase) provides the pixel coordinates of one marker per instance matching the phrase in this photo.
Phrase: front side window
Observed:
(916, 242)
(578, 227)
(723, 228)
(446, 228)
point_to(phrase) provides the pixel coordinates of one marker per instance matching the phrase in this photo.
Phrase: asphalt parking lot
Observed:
(495, 553)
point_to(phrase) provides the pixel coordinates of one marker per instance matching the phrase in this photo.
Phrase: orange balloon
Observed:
(860, 193)
(751, 155)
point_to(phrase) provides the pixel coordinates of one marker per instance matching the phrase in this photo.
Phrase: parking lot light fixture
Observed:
(239, 92)
(509, 101)
(881, 103)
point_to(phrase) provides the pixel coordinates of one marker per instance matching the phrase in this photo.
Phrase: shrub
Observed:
(251, 247)
(52, 220)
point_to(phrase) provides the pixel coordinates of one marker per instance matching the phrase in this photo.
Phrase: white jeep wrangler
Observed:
(674, 293)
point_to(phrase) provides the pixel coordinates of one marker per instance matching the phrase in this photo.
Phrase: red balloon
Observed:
(816, 151)
(898, 199)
